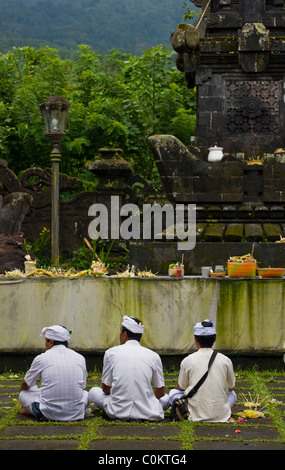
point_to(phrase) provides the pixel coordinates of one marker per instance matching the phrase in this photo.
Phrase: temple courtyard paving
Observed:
(167, 438)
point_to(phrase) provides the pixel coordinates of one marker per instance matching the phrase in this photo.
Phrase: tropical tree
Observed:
(31, 75)
(117, 100)
(158, 101)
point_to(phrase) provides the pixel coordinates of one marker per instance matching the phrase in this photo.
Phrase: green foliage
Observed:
(82, 257)
(39, 248)
(31, 76)
(156, 97)
(117, 100)
(189, 14)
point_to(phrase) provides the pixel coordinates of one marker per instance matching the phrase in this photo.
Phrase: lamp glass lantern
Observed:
(55, 115)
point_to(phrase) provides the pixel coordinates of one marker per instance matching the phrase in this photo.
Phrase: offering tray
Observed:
(270, 272)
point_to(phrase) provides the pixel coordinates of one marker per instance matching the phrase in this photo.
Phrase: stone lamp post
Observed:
(55, 115)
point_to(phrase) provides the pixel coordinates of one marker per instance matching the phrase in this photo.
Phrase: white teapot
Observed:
(215, 154)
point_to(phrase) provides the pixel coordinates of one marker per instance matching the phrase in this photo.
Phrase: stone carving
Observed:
(13, 211)
(25, 203)
(252, 106)
(14, 204)
(28, 199)
(37, 182)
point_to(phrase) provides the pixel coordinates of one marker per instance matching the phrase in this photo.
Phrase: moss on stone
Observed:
(272, 232)
(215, 232)
(234, 233)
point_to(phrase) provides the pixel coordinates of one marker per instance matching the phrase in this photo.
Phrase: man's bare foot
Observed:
(24, 411)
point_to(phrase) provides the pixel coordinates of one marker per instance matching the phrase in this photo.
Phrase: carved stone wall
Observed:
(25, 203)
(237, 63)
(252, 106)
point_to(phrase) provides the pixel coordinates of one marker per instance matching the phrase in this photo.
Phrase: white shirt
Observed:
(211, 402)
(131, 370)
(63, 379)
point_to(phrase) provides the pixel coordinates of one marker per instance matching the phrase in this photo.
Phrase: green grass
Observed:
(264, 385)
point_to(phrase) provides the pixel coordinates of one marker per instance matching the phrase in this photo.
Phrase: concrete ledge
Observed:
(248, 312)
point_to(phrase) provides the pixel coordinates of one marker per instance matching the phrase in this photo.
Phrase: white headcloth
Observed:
(56, 333)
(132, 325)
(200, 330)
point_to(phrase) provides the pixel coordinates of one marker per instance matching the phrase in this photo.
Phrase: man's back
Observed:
(63, 379)
(131, 370)
(211, 402)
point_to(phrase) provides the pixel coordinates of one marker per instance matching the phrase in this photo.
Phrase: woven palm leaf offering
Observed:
(254, 407)
(242, 266)
(270, 272)
(145, 273)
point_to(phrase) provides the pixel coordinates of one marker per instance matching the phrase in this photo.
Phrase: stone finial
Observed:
(253, 45)
(185, 38)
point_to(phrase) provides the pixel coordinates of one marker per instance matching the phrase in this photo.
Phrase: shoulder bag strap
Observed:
(202, 380)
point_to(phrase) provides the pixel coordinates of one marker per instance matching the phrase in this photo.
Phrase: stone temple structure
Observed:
(236, 59)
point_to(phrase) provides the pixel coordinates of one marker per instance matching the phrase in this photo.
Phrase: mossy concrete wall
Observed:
(249, 314)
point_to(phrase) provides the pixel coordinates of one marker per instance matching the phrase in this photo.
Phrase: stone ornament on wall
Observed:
(253, 106)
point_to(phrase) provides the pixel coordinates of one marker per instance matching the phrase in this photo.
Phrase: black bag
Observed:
(179, 410)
